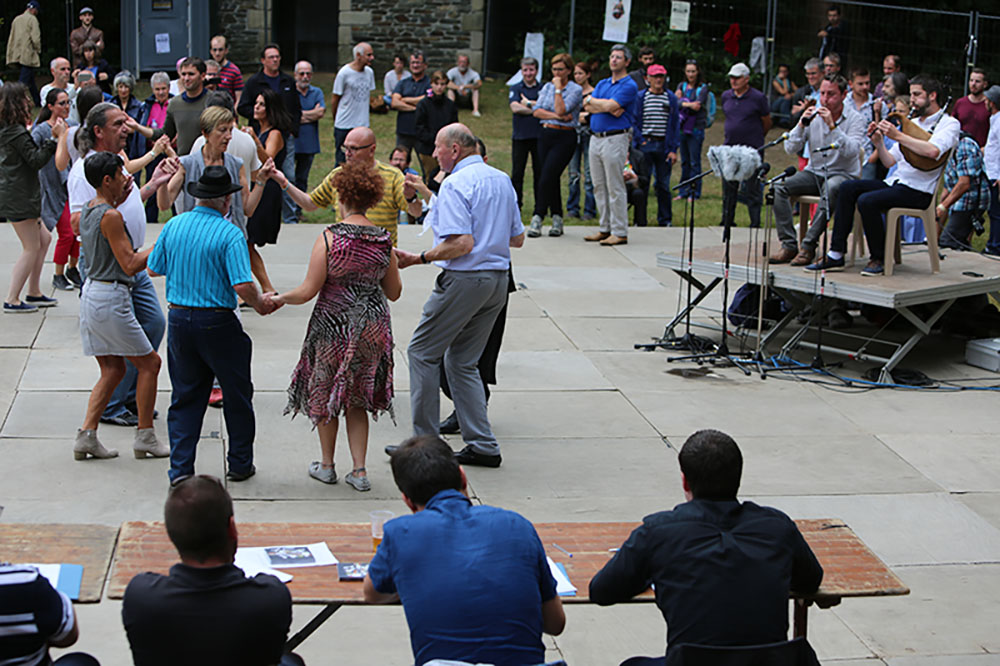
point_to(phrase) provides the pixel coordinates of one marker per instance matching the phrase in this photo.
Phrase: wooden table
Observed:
(88, 545)
(850, 568)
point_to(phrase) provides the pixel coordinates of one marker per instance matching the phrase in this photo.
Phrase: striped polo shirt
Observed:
(232, 79)
(203, 256)
(32, 613)
(655, 114)
(385, 213)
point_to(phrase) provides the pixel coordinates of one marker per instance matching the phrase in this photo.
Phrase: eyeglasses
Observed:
(692, 61)
(354, 149)
(64, 103)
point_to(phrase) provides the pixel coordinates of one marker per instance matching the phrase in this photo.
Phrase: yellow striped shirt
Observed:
(385, 213)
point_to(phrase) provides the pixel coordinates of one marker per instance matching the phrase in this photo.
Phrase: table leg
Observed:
(801, 616)
(668, 332)
(312, 626)
(923, 329)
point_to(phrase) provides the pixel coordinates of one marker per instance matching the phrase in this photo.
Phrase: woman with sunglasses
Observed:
(693, 96)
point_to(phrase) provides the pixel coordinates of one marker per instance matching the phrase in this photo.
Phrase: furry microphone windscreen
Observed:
(737, 163)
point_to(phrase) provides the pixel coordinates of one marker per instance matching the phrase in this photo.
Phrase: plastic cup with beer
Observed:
(379, 519)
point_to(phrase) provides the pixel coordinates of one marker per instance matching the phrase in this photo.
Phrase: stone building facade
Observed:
(441, 28)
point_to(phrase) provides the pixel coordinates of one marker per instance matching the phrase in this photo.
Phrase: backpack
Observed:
(710, 116)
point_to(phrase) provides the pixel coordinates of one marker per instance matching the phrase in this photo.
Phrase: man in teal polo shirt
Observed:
(206, 262)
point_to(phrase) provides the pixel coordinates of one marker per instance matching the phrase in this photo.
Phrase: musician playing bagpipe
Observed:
(921, 149)
(835, 133)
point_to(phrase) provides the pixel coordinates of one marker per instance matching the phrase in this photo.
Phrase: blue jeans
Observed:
(691, 162)
(27, 77)
(338, 140)
(146, 304)
(288, 208)
(303, 164)
(205, 344)
(656, 152)
(581, 156)
(993, 242)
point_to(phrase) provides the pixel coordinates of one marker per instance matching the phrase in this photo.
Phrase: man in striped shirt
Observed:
(657, 136)
(359, 145)
(206, 262)
(232, 78)
(34, 616)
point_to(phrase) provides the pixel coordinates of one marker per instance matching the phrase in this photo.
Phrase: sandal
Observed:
(360, 483)
(324, 474)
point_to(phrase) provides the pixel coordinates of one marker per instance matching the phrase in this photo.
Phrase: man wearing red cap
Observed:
(657, 136)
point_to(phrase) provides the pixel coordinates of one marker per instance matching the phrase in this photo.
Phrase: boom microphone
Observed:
(789, 171)
(737, 163)
(832, 146)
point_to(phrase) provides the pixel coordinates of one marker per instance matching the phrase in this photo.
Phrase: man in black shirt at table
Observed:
(722, 569)
(206, 611)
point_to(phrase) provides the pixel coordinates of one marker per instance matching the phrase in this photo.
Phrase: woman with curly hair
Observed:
(346, 361)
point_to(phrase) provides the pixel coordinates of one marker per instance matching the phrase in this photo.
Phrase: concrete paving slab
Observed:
(20, 330)
(63, 369)
(833, 640)
(562, 278)
(60, 333)
(911, 529)
(6, 400)
(638, 370)
(596, 635)
(604, 303)
(534, 334)
(535, 414)
(949, 612)
(549, 371)
(986, 505)
(613, 508)
(352, 508)
(963, 463)
(905, 412)
(101, 633)
(570, 250)
(12, 363)
(520, 304)
(947, 660)
(610, 333)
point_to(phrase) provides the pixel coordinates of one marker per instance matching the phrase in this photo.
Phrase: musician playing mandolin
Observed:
(918, 164)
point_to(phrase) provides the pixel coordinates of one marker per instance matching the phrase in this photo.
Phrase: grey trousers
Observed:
(454, 328)
(804, 182)
(607, 163)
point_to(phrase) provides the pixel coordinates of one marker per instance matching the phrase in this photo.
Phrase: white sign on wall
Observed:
(616, 20)
(680, 15)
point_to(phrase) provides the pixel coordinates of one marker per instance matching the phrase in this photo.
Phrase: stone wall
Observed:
(242, 21)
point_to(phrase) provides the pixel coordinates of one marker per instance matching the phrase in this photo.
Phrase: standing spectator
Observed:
(55, 199)
(212, 76)
(831, 64)
(205, 261)
(966, 194)
(971, 111)
(154, 116)
(656, 136)
(406, 96)
(87, 32)
(346, 361)
(557, 109)
(610, 106)
(393, 77)
(863, 102)
(232, 78)
(647, 56)
(97, 66)
(400, 158)
(313, 108)
(21, 197)
(433, 113)
(782, 91)
(350, 102)
(808, 93)
(133, 108)
(693, 98)
(24, 46)
(184, 110)
(581, 156)
(464, 84)
(891, 64)
(835, 36)
(84, 80)
(637, 176)
(748, 118)
(991, 164)
(61, 79)
(526, 128)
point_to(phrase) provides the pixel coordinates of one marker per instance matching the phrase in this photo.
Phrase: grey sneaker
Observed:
(60, 282)
(359, 483)
(535, 230)
(146, 443)
(324, 474)
(87, 444)
(557, 226)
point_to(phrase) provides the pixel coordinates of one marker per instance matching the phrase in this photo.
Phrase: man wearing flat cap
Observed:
(206, 262)
(87, 32)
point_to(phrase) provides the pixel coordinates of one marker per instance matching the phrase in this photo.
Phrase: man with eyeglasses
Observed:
(232, 78)
(359, 146)
(350, 101)
(405, 98)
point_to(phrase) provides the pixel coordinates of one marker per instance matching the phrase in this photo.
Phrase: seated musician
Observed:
(721, 569)
(907, 187)
(473, 580)
(831, 122)
(206, 611)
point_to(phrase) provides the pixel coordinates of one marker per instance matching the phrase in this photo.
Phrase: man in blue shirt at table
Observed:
(473, 580)
(206, 262)
(611, 117)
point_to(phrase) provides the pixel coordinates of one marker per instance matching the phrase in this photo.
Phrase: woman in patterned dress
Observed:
(346, 361)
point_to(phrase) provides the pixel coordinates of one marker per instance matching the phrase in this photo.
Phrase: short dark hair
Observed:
(859, 71)
(647, 50)
(99, 165)
(833, 8)
(197, 514)
(896, 60)
(481, 146)
(270, 45)
(423, 466)
(980, 70)
(712, 464)
(400, 148)
(529, 61)
(417, 53)
(929, 85)
(15, 105)
(220, 98)
(838, 81)
(196, 62)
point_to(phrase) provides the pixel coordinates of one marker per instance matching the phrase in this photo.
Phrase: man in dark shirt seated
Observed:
(206, 611)
(474, 580)
(721, 569)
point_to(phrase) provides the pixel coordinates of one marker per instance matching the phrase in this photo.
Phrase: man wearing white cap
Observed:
(748, 118)
(86, 32)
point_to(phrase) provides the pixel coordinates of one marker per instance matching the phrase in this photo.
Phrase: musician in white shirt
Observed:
(991, 164)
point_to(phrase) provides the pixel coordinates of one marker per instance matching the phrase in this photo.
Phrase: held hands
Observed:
(404, 258)
(161, 145)
(165, 170)
(58, 128)
(268, 303)
(415, 183)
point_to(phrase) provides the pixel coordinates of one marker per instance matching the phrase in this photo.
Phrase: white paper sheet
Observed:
(563, 586)
(289, 557)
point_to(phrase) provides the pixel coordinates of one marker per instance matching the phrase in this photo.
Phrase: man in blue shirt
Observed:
(405, 98)
(475, 223)
(313, 108)
(205, 260)
(526, 128)
(611, 117)
(473, 580)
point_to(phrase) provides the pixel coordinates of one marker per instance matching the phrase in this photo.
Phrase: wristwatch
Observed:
(423, 257)
(414, 197)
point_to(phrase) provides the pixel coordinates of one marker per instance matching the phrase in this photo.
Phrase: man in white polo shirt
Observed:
(464, 84)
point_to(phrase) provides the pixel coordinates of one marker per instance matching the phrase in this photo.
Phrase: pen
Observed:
(566, 552)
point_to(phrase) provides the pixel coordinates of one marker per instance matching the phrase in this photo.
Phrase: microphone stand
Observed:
(817, 362)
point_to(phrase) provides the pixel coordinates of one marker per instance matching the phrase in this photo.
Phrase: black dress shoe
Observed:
(391, 448)
(450, 425)
(128, 419)
(241, 476)
(469, 456)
